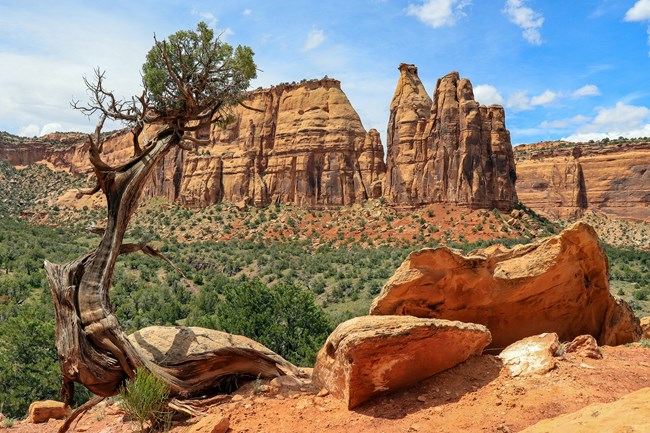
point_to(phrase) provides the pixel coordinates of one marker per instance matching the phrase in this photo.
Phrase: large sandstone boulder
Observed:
(627, 415)
(369, 355)
(559, 284)
(449, 150)
(217, 355)
(42, 411)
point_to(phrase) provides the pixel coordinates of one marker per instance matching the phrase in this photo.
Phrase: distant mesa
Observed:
(304, 144)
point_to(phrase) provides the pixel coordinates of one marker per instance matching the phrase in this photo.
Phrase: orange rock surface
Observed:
(559, 284)
(370, 355)
(561, 179)
(449, 150)
(627, 415)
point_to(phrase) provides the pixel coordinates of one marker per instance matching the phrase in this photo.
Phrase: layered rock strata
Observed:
(449, 150)
(562, 179)
(370, 355)
(304, 144)
(559, 284)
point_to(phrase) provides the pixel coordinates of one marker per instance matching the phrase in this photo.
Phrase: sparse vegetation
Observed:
(144, 399)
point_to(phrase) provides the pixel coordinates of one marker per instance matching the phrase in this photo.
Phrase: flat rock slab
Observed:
(627, 415)
(559, 284)
(42, 411)
(369, 355)
(532, 355)
(208, 356)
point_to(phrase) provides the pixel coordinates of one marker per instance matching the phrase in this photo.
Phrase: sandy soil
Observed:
(476, 396)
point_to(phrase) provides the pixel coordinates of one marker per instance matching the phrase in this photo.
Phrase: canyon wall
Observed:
(304, 144)
(449, 150)
(562, 179)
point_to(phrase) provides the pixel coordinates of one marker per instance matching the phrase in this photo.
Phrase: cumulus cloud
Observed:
(314, 38)
(586, 90)
(486, 94)
(622, 120)
(33, 130)
(438, 13)
(30, 130)
(520, 101)
(528, 20)
(640, 12)
(545, 98)
(247, 12)
(564, 123)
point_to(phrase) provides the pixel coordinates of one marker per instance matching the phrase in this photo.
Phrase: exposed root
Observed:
(80, 412)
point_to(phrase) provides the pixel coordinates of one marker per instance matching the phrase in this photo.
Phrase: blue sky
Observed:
(575, 70)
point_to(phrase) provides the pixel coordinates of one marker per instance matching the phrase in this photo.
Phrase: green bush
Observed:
(144, 398)
(284, 318)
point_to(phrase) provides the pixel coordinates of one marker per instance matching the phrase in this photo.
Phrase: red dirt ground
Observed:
(476, 396)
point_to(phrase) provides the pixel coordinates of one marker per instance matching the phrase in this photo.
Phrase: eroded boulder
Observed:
(532, 355)
(559, 284)
(369, 355)
(42, 411)
(210, 357)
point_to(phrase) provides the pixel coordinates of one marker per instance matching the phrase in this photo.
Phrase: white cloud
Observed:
(586, 90)
(622, 120)
(48, 128)
(564, 123)
(639, 12)
(545, 98)
(247, 12)
(30, 130)
(314, 38)
(529, 20)
(33, 130)
(487, 95)
(519, 101)
(438, 13)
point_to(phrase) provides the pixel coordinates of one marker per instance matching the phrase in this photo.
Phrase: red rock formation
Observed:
(562, 179)
(455, 152)
(559, 284)
(43, 411)
(370, 355)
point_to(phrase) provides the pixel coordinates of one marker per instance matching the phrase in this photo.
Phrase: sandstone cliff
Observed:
(450, 150)
(304, 144)
(563, 179)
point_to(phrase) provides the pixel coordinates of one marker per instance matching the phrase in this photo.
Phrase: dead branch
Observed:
(150, 251)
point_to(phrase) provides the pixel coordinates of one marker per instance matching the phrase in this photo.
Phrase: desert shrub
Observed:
(144, 398)
(284, 318)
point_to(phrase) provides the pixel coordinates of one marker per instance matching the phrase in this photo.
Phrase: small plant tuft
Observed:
(144, 398)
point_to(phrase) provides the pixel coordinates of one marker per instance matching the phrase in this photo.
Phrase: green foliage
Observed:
(29, 366)
(212, 70)
(283, 318)
(144, 398)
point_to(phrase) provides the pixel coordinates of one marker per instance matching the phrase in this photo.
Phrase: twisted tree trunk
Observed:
(93, 350)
